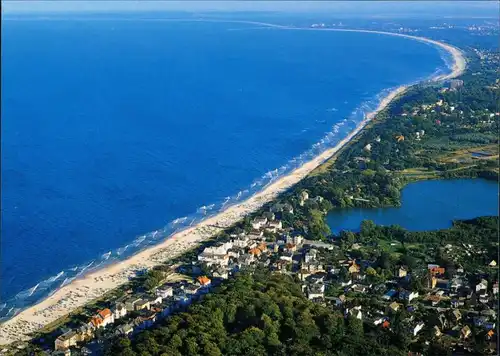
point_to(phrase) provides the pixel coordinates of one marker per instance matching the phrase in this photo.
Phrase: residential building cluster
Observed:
(457, 304)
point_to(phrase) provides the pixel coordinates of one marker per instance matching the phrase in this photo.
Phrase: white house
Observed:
(234, 252)
(310, 256)
(408, 296)
(304, 196)
(345, 284)
(221, 273)
(119, 311)
(315, 291)
(241, 242)
(216, 254)
(220, 249)
(297, 239)
(259, 222)
(256, 235)
(156, 299)
(482, 285)
(287, 256)
(165, 292)
(356, 312)
(417, 328)
(274, 226)
(191, 289)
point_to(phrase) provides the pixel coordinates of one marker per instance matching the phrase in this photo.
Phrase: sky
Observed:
(453, 7)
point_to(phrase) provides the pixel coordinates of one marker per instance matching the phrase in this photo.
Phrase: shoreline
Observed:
(93, 285)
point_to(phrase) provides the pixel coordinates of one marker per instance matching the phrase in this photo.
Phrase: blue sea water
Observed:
(426, 205)
(113, 128)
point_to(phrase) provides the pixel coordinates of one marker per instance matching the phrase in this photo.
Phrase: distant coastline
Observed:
(95, 284)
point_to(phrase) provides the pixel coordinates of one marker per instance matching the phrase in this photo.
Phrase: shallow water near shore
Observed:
(426, 205)
(134, 125)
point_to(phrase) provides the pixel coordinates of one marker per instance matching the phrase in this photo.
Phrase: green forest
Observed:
(358, 177)
(259, 314)
(263, 313)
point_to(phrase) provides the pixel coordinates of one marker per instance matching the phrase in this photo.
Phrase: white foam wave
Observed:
(330, 139)
(56, 277)
(202, 210)
(139, 240)
(33, 290)
(178, 221)
(121, 250)
(27, 293)
(67, 281)
(84, 268)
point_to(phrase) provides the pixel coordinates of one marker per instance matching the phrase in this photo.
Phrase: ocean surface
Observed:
(116, 132)
(426, 205)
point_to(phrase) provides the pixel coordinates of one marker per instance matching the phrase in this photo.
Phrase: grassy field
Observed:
(420, 173)
(464, 155)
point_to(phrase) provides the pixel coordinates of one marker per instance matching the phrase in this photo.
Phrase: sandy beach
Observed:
(95, 284)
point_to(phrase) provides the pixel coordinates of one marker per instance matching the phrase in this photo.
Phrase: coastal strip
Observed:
(93, 285)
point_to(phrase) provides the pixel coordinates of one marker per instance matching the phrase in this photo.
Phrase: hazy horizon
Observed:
(363, 8)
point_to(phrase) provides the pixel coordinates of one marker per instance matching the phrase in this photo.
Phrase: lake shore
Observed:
(95, 284)
(422, 209)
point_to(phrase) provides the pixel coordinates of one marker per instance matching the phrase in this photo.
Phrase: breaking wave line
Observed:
(338, 132)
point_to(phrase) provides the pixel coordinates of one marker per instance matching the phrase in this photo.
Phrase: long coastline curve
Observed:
(94, 284)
